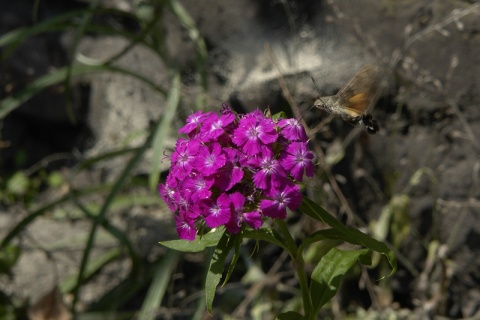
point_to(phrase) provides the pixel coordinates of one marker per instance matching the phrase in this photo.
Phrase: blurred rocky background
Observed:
(83, 83)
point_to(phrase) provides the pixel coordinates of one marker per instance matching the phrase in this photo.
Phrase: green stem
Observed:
(299, 266)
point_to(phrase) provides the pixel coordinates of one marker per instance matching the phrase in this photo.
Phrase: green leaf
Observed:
(158, 287)
(55, 179)
(290, 315)
(100, 217)
(381, 227)
(334, 235)
(18, 183)
(179, 11)
(93, 267)
(8, 256)
(162, 130)
(31, 217)
(217, 264)
(279, 115)
(237, 242)
(318, 249)
(344, 233)
(400, 220)
(265, 234)
(199, 244)
(327, 275)
(120, 235)
(8, 104)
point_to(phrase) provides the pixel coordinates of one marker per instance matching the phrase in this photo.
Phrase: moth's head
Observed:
(319, 103)
(325, 102)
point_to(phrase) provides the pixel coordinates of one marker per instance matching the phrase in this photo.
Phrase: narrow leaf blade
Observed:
(199, 244)
(328, 273)
(350, 235)
(217, 265)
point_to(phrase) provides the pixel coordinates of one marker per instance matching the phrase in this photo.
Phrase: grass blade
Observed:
(158, 287)
(162, 130)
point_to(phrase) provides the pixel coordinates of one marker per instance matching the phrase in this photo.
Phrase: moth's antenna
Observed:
(319, 94)
(281, 80)
(284, 86)
(285, 91)
(315, 84)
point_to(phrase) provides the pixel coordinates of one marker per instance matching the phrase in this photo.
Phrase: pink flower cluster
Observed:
(233, 169)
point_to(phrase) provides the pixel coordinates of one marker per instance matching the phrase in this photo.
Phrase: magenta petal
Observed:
(234, 225)
(267, 133)
(292, 130)
(253, 157)
(237, 175)
(228, 177)
(219, 212)
(271, 173)
(297, 159)
(294, 197)
(185, 229)
(183, 157)
(193, 122)
(253, 219)
(253, 133)
(198, 187)
(238, 200)
(273, 209)
(169, 195)
(210, 159)
(276, 207)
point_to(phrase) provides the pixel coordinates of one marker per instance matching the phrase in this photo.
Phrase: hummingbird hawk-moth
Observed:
(354, 101)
